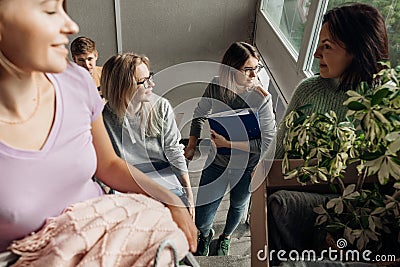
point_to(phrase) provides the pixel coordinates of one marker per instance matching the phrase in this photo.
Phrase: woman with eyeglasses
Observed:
(142, 125)
(237, 87)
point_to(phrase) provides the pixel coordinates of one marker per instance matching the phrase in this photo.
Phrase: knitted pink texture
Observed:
(112, 230)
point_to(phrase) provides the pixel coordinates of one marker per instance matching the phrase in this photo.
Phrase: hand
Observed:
(259, 166)
(192, 211)
(258, 88)
(189, 152)
(218, 140)
(182, 218)
(191, 203)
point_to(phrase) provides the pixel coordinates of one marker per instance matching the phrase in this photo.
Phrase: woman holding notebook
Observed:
(237, 87)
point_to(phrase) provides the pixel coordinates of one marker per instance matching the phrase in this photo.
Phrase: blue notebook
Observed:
(235, 125)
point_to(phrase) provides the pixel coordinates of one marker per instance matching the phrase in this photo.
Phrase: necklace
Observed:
(34, 111)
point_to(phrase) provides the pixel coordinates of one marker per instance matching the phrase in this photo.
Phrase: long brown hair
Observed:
(361, 28)
(234, 58)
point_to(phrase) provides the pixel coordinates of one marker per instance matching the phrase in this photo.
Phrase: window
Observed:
(285, 35)
(289, 16)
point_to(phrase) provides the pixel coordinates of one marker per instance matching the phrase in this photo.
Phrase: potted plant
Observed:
(369, 138)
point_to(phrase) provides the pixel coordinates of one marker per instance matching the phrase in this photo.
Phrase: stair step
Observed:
(224, 261)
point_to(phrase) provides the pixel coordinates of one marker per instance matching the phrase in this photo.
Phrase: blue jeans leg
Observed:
(211, 190)
(213, 184)
(239, 197)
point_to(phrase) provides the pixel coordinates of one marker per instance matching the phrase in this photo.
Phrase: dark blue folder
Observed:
(235, 125)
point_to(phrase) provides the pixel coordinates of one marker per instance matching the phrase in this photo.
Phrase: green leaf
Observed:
(304, 178)
(339, 208)
(322, 176)
(379, 96)
(353, 93)
(390, 205)
(394, 168)
(396, 160)
(299, 120)
(321, 219)
(393, 136)
(374, 165)
(333, 202)
(378, 210)
(371, 223)
(354, 105)
(371, 155)
(372, 235)
(383, 173)
(395, 146)
(319, 210)
(353, 195)
(349, 189)
(381, 117)
(397, 185)
(291, 174)
(357, 232)
(377, 221)
(361, 242)
(347, 234)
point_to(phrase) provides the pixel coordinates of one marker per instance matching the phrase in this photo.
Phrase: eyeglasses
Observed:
(147, 81)
(247, 71)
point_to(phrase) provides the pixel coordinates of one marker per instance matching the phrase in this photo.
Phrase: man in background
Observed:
(84, 53)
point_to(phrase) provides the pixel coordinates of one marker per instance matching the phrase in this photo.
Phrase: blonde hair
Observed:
(118, 85)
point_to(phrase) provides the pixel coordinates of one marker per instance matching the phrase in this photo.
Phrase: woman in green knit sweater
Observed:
(352, 41)
(322, 93)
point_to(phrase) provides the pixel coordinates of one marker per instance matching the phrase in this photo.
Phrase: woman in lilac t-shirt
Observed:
(52, 136)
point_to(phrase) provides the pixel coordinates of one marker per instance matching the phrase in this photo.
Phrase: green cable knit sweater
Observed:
(323, 94)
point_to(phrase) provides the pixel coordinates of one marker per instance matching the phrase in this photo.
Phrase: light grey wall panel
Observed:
(176, 31)
(168, 31)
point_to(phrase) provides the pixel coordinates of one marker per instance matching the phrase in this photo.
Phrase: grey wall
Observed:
(176, 31)
(96, 20)
(168, 32)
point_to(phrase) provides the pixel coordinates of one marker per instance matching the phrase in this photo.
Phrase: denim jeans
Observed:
(213, 184)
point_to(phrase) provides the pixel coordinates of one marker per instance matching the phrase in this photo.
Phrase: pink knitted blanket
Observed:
(112, 230)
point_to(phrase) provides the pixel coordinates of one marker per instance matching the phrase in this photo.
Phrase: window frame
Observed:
(287, 67)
